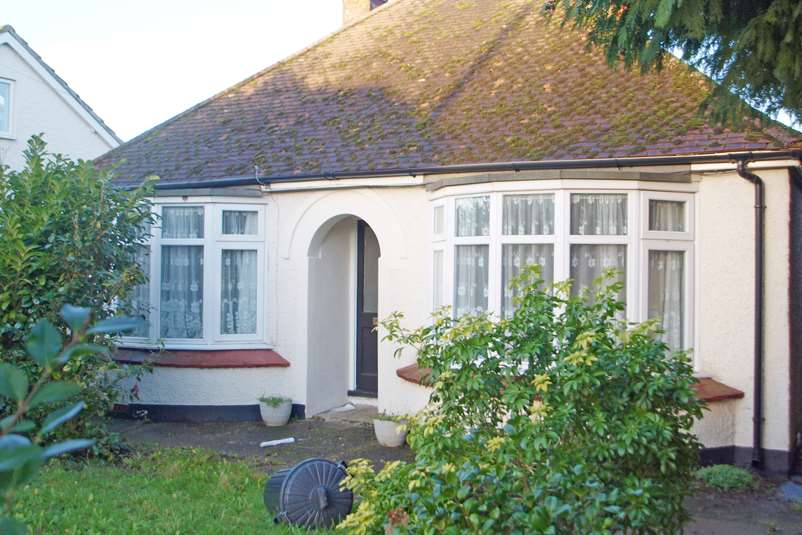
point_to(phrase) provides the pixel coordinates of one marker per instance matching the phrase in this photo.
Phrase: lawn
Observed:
(171, 491)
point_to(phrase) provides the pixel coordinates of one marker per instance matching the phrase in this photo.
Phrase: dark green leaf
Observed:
(119, 324)
(13, 382)
(54, 391)
(81, 350)
(12, 526)
(67, 446)
(44, 342)
(60, 416)
(76, 317)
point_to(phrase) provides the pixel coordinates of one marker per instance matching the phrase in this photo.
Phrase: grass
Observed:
(168, 491)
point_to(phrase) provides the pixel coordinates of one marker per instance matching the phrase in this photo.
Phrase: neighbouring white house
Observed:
(418, 158)
(35, 100)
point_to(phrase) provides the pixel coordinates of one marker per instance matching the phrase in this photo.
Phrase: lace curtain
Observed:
(515, 257)
(473, 216)
(667, 216)
(528, 215)
(182, 222)
(588, 262)
(181, 291)
(666, 293)
(238, 298)
(140, 299)
(240, 222)
(437, 276)
(596, 214)
(471, 279)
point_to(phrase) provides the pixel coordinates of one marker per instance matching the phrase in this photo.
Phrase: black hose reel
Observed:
(309, 494)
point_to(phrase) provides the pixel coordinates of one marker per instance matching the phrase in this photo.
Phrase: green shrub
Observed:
(726, 477)
(274, 401)
(26, 443)
(67, 235)
(560, 419)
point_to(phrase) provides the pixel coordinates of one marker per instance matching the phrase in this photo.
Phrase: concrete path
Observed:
(348, 435)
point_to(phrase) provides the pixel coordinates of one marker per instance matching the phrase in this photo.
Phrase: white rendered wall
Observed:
(37, 108)
(725, 308)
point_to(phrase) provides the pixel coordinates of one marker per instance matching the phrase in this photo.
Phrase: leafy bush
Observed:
(726, 477)
(560, 419)
(67, 235)
(22, 456)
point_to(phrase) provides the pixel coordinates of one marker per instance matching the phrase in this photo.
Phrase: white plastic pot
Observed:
(276, 416)
(389, 433)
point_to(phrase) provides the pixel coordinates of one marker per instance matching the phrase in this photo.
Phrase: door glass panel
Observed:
(370, 273)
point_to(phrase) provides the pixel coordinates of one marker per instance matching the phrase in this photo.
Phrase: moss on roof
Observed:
(437, 82)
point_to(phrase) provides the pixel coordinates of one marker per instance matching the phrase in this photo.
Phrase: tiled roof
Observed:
(436, 82)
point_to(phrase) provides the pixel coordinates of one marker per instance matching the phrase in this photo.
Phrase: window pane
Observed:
(470, 288)
(140, 298)
(598, 214)
(517, 256)
(473, 216)
(182, 291)
(528, 214)
(667, 293)
(439, 220)
(668, 216)
(238, 296)
(182, 222)
(437, 279)
(240, 222)
(588, 262)
(5, 106)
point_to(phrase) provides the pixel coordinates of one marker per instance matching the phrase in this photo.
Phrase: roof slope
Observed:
(8, 29)
(435, 82)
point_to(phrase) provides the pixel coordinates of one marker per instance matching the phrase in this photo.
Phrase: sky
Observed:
(138, 63)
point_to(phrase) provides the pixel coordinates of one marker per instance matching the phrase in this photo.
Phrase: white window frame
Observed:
(639, 240)
(214, 243)
(9, 134)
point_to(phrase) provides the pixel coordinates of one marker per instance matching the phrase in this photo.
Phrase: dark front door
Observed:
(367, 268)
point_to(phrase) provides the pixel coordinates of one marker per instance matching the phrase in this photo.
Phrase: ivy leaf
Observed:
(81, 350)
(54, 391)
(13, 382)
(44, 342)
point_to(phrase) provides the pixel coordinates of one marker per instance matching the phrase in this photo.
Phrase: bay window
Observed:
(207, 269)
(646, 237)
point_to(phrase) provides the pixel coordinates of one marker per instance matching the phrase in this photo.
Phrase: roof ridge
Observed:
(260, 73)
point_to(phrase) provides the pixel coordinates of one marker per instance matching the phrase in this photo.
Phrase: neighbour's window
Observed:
(209, 278)
(5, 107)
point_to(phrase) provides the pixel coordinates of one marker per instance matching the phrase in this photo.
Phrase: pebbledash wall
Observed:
(310, 244)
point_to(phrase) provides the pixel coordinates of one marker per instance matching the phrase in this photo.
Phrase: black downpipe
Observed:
(760, 209)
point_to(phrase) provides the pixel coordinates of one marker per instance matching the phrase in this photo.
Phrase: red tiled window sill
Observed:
(216, 358)
(707, 389)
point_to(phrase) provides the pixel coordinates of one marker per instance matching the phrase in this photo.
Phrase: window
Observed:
(5, 107)
(208, 282)
(646, 237)
(439, 220)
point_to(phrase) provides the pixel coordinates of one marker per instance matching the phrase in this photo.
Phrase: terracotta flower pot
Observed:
(276, 416)
(389, 433)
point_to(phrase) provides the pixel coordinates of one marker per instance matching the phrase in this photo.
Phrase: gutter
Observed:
(484, 168)
(760, 211)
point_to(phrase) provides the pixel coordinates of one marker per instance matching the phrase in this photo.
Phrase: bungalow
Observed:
(418, 158)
